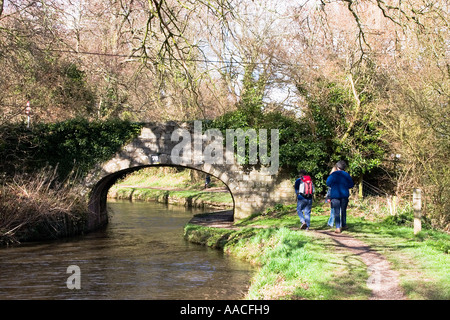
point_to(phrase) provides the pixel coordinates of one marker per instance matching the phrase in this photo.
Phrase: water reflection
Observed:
(140, 255)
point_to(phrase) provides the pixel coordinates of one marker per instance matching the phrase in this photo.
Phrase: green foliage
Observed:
(313, 146)
(441, 245)
(251, 103)
(365, 149)
(321, 137)
(402, 219)
(74, 89)
(345, 129)
(73, 145)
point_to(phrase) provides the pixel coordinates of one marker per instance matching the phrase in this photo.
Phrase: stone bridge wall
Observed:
(252, 189)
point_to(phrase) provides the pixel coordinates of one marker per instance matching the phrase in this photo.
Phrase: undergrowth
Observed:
(39, 207)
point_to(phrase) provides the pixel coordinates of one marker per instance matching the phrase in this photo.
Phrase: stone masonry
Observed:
(253, 189)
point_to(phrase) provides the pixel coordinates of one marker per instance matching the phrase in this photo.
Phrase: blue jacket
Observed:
(339, 182)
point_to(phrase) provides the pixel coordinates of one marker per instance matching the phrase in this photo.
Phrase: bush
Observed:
(402, 219)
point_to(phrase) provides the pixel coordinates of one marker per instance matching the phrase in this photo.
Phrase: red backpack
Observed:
(306, 188)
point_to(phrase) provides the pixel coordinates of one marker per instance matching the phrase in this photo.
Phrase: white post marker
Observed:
(417, 205)
(27, 112)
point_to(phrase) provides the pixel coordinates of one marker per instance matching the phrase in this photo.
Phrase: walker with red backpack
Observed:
(306, 188)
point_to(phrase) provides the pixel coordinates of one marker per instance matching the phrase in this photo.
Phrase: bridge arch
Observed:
(99, 194)
(252, 189)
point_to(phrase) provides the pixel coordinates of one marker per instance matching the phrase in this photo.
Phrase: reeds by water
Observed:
(38, 206)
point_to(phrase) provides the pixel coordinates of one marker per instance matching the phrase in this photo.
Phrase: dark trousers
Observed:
(340, 211)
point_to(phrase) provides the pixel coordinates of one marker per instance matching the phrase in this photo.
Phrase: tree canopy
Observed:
(367, 81)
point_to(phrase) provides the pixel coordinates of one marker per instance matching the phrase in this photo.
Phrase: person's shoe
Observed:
(338, 230)
(344, 228)
(304, 226)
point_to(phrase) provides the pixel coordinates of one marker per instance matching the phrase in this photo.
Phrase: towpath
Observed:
(383, 281)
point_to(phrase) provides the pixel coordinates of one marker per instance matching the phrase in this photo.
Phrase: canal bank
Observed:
(373, 260)
(213, 198)
(257, 245)
(291, 263)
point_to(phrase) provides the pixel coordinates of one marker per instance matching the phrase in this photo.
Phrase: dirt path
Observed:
(383, 281)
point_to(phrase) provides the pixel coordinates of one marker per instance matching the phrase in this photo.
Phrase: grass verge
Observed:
(295, 264)
(422, 260)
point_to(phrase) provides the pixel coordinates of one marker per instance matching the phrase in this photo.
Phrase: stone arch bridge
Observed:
(253, 188)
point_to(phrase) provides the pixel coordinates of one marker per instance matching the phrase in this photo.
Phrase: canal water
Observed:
(141, 254)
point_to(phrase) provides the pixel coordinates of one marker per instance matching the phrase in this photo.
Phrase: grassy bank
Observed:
(169, 185)
(296, 264)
